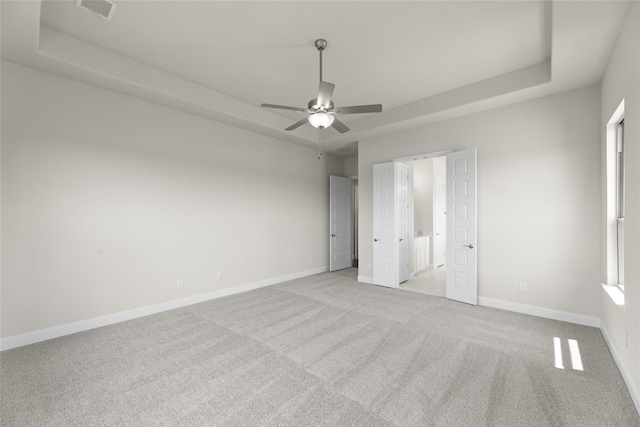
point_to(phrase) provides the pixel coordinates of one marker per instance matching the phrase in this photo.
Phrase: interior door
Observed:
(340, 226)
(385, 239)
(440, 219)
(462, 259)
(390, 224)
(402, 209)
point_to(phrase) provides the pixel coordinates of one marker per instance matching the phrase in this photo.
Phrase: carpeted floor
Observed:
(319, 351)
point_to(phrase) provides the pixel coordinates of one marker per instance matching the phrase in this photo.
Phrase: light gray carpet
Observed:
(320, 351)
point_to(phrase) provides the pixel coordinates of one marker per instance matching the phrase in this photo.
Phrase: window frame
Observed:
(614, 206)
(620, 201)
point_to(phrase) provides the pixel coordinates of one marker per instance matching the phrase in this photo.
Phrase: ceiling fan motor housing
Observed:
(313, 105)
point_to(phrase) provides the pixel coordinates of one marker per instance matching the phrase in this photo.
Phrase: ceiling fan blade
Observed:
(297, 124)
(284, 107)
(325, 93)
(339, 126)
(373, 108)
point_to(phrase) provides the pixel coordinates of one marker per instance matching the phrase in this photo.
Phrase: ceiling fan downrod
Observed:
(320, 45)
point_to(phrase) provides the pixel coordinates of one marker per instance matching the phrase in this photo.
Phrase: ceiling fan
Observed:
(321, 110)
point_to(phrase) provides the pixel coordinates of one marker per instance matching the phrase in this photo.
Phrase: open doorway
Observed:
(428, 212)
(393, 222)
(343, 222)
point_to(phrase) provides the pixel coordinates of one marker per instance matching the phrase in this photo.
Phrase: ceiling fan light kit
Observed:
(320, 120)
(321, 109)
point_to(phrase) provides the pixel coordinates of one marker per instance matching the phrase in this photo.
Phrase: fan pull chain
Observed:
(319, 144)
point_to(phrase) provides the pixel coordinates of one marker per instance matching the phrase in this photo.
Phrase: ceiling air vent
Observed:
(103, 8)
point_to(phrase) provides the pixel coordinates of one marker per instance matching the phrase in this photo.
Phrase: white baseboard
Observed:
(85, 325)
(579, 319)
(547, 313)
(633, 390)
(109, 319)
(365, 279)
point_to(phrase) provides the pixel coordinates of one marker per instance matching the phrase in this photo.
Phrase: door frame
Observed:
(422, 156)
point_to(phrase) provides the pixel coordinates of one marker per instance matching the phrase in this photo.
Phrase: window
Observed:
(620, 189)
(615, 206)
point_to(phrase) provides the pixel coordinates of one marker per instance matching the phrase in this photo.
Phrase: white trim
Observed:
(422, 156)
(109, 319)
(617, 115)
(579, 319)
(610, 220)
(85, 325)
(365, 279)
(547, 313)
(615, 293)
(633, 391)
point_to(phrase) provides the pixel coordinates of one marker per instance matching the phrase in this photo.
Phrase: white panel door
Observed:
(402, 209)
(340, 226)
(462, 259)
(385, 255)
(440, 220)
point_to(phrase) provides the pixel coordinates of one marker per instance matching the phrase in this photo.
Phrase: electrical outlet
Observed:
(179, 283)
(627, 341)
(219, 276)
(523, 287)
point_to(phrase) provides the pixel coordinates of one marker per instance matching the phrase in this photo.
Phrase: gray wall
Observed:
(538, 196)
(351, 166)
(108, 200)
(622, 81)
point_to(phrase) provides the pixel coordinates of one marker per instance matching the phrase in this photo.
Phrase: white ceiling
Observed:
(422, 60)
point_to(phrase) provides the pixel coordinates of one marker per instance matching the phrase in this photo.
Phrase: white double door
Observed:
(390, 225)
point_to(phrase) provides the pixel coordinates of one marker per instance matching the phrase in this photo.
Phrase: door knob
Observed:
(375, 240)
(401, 239)
(470, 246)
(333, 235)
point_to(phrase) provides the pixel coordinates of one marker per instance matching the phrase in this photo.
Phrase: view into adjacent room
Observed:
(428, 201)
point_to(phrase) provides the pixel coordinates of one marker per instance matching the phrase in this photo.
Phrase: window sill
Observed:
(614, 292)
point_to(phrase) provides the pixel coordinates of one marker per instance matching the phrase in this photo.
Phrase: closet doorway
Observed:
(461, 260)
(428, 269)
